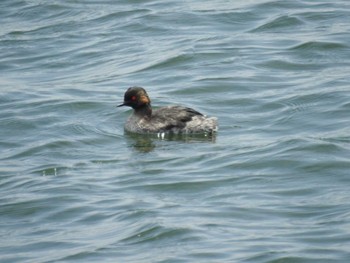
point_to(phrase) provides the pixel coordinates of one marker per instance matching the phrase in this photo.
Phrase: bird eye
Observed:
(133, 98)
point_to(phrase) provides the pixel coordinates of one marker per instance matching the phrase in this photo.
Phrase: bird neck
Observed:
(144, 110)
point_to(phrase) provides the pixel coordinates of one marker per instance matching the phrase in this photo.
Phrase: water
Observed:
(272, 186)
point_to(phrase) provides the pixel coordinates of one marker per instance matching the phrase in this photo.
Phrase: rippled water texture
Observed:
(272, 186)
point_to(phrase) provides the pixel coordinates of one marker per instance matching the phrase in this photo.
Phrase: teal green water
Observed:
(272, 186)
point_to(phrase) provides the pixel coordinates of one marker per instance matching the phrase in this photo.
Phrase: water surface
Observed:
(271, 186)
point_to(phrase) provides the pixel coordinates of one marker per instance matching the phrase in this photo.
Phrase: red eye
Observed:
(133, 98)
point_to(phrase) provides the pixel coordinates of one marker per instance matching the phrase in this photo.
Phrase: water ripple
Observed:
(278, 24)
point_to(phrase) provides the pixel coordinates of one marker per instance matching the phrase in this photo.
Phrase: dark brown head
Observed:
(136, 97)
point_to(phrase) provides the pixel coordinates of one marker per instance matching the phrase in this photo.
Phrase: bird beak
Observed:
(123, 104)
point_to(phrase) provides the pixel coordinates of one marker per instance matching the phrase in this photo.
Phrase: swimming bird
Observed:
(170, 119)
